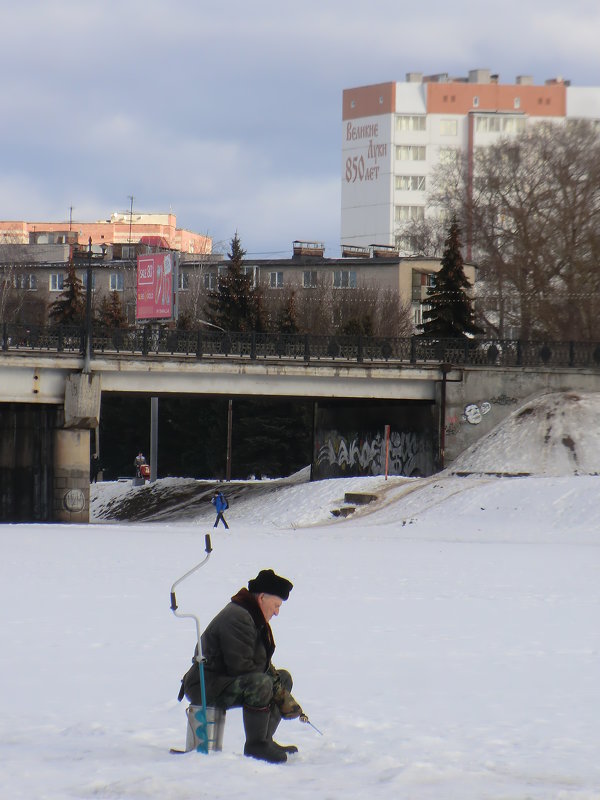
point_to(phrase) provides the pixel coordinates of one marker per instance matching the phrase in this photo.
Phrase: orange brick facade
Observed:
(117, 230)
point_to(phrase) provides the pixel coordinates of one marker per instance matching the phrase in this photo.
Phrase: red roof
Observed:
(155, 241)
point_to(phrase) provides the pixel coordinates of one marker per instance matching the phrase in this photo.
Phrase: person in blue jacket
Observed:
(221, 504)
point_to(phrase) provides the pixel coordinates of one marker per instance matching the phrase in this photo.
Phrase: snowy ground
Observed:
(445, 640)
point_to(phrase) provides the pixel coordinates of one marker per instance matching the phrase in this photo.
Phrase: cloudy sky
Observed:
(228, 112)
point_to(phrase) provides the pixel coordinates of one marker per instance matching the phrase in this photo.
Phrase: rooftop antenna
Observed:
(131, 198)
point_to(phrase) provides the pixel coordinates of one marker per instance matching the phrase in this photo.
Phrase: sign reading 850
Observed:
(355, 169)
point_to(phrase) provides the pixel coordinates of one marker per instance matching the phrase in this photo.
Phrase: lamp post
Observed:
(88, 311)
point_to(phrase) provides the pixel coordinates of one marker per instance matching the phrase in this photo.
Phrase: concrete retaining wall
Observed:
(482, 398)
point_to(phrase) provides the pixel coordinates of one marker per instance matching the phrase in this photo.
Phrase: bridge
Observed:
(454, 391)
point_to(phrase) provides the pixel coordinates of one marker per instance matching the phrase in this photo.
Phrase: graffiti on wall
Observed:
(407, 454)
(474, 413)
(452, 425)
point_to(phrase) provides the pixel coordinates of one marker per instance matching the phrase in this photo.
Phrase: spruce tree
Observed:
(450, 313)
(111, 313)
(235, 305)
(69, 307)
(286, 319)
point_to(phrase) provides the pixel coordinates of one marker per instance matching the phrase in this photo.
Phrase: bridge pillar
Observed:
(71, 488)
(71, 485)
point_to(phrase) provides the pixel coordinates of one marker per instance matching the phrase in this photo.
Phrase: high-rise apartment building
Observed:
(394, 135)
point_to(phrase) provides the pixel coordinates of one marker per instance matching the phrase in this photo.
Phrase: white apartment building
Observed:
(394, 134)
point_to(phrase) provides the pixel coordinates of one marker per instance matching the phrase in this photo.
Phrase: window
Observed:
(406, 213)
(128, 251)
(309, 279)
(56, 282)
(24, 281)
(498, 123)
(344, 279)
(410, 122)
(490, 124)
(513, 125)
(210, 281)
(410, 183)
(418, 315)
(448, 127)
(183, 282)
(276, 280)
(115, 282)
(252, 273)
(475, 102)
(84, 280)
(421, 281)
(410, 152)
(517, 103)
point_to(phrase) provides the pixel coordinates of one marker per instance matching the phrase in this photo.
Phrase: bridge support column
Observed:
(71, 487)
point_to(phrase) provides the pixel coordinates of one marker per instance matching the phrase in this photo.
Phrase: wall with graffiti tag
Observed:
(343, 449)
(482, 399)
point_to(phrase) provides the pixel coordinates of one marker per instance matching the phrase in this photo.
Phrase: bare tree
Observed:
(423, 237)
(530, 209)
(11, 300)
(324, 310)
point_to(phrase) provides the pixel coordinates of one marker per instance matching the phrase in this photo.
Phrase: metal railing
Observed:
(152, 341)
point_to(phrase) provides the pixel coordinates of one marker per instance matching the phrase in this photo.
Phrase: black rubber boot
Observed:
(274, 721)
(258, 744)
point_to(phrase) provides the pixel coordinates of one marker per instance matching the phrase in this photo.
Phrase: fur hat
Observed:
(268, 582)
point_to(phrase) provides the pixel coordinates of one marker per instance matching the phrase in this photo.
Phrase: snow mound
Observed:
(552, 435)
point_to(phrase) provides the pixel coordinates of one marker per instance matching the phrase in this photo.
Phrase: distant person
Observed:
(139, 460)
(219, 501)
(237, 647)
(95, 468)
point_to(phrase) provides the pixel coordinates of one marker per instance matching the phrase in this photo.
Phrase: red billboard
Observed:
(154, 286)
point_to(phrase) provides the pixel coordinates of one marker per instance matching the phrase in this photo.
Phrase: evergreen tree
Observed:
(69, 307)
(236, 304)
(450, 313)
(358, 326)
(286, 319)
(111, 314)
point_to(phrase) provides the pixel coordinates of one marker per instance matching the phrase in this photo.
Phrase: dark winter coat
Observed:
(238, 641)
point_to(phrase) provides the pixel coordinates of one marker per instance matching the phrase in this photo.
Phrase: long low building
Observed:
(31, 285)
(123, 229)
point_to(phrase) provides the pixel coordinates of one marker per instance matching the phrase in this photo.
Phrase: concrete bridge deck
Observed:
(467, 387)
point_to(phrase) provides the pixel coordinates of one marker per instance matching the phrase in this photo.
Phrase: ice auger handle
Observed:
(208, 549)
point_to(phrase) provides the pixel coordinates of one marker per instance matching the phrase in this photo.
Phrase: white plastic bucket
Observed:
(215, 728)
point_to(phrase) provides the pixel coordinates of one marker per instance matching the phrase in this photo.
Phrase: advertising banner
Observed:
(154, 286)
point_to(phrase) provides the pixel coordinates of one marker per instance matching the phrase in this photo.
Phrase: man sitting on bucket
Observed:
(237, 646)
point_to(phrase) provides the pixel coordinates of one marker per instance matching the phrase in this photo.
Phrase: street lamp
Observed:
(88, 311)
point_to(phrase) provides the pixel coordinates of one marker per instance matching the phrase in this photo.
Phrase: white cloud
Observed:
(228, 112)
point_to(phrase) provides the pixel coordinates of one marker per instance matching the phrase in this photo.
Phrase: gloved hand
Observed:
(288, 707)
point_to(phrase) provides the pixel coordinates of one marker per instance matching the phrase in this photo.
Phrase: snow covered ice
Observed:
(445, 639)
